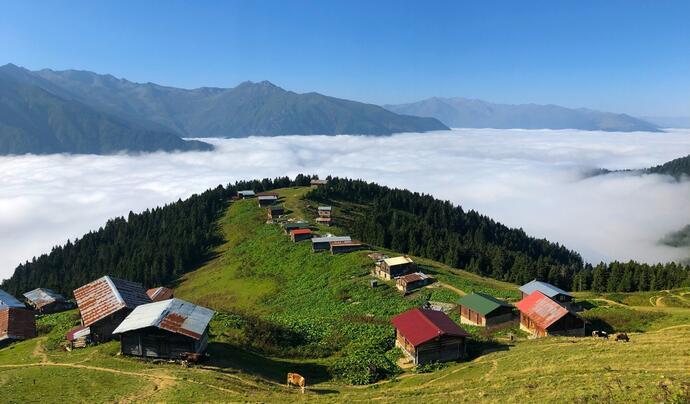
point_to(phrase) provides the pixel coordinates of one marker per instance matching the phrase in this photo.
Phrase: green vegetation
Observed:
(420, 225)
(677, 168)
(282, 308)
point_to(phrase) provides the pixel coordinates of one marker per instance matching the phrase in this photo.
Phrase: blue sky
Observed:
(623, 56)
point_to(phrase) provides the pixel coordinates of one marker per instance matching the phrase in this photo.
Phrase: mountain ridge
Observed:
(475, 113)
(250, 108)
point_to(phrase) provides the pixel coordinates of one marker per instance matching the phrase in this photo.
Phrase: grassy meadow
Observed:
(282, 308)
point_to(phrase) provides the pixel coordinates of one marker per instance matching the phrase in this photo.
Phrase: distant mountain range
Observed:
(85, 112)
(469, 113)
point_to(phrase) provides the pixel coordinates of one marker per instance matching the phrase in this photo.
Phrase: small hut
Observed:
(547, 289)
(483, 310)
(159, 294)
(324, 211)
(298, 235)
(274, 212)
(289, 226)
(410, 282)
(326, 221)
(391, 268)
(105, 302)
(324, 243)
(541, 316)
(16, 321)
(168, 329)
(343, 247)
(427, 336)
(246, 194)
(46, 301)
(318, 183)
(266, 200)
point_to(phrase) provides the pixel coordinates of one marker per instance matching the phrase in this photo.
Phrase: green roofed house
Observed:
(483, 310)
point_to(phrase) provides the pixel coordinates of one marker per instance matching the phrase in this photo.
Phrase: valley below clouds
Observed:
(534, 179)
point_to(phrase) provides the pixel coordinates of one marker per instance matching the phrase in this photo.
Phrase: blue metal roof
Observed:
(545, 288)
(7, 300)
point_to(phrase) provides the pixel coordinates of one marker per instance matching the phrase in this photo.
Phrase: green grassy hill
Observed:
(282, 308)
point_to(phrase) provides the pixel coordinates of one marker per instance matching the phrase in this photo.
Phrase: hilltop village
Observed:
(154, 324)
(294, 303)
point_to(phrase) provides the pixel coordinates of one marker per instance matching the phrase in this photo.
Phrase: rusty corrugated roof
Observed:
(105, 296)
(160, 293)
(42, 296)
(541, 309)
(172, 315)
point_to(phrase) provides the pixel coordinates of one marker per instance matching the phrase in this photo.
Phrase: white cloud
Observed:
(524, 178)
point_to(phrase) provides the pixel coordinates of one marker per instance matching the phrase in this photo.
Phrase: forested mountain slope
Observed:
(33, 120)
(677, 168)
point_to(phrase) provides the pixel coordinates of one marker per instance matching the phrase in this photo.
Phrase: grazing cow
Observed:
(600, 334)
(621, 336)
(294, 379)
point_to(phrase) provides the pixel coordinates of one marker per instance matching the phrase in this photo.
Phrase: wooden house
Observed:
(16, 321)
(266, 200)
(326, 221)
(541, 316)
(391, 268)
(343, 247)
(159, 294)
(289, 226)
(324, 243)
(410, 282)
(246, 194)
(298, 235)
(324, 211)
(45, 301)
(318, 183)
(168, 329)
(483, 310)
(427, 336)
(549, 290)
(274, 212)
(105, 302)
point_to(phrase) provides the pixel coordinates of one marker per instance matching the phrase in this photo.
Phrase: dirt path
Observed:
(452, 288)
(601, 299)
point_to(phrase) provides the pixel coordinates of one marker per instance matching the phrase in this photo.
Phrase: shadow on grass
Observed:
(229, 356)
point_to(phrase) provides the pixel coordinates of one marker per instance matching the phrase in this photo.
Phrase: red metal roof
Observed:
(106, 296)
(70, 334)
(541, 309)
(300, 231)
(160, 293)
(420, 325)
(17, 324)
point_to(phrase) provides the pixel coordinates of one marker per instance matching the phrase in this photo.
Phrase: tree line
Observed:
(153, 247)
(421, 225)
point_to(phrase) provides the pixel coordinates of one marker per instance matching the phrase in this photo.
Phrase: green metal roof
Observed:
(482, 303)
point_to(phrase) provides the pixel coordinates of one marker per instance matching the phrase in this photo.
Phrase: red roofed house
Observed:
(300, 234)
(541, 316)
(105, 302)
(159, 294)
(427, 336)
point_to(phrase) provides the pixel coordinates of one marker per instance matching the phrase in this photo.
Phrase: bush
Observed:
(430, 367)
(363, 364)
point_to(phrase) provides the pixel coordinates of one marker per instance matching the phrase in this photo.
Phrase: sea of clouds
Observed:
(534, 179)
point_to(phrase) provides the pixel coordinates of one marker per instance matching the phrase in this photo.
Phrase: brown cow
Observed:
(294, 379)
(621, 336)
